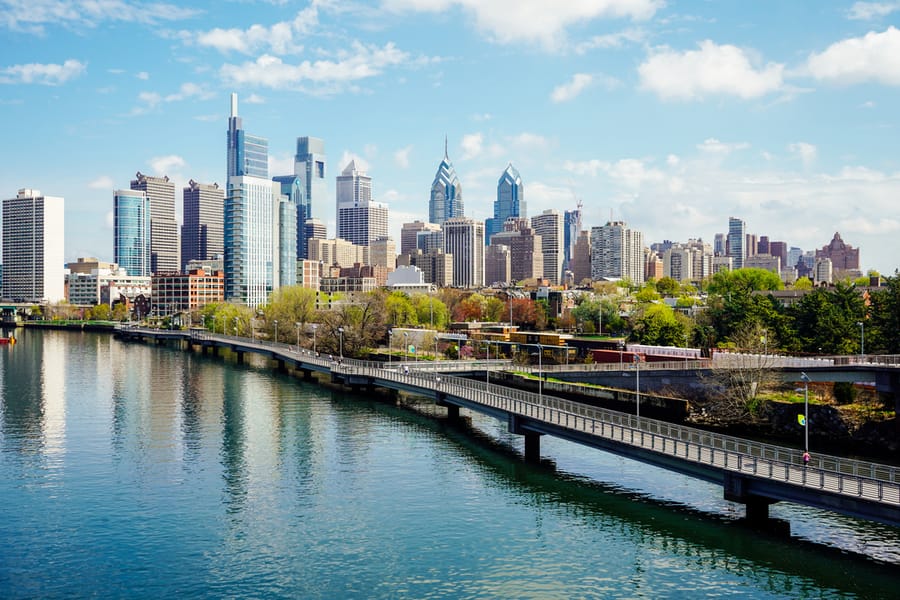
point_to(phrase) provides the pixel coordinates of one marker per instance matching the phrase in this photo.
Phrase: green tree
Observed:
(400, 310)
(825, 320)
(431, 310)
(667, 286)
(646, 294)
(744, 281)
(883, 324)
(289, 306)
(657, 324)
(101, 312)
(495, 310)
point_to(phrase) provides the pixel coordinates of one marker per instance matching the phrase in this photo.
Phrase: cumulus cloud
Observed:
(536, 21)
(143, 75)
(150, 100)
(361, 163)
(32, 16)
(164, 165)
(714, 146)
(44, 74)
(281, 38)
(472, 145)
(401, 157)
(806, 151)
(866, 11)
(572, 88)
(875, 57)
(104, 182)
(612, 40)
(254, 99)
(282, 164)
(711, 70)
(360, 62)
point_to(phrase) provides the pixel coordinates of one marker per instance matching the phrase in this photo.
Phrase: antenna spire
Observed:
(446, 155)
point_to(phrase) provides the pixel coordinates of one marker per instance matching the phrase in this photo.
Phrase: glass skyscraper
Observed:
(446, 193)
(309, 166)
(201, 233)
(510, 202)
(250, 213)
(737, 249)
(131, 235)
(165, 249)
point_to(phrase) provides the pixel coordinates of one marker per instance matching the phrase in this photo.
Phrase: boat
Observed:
(8, 341)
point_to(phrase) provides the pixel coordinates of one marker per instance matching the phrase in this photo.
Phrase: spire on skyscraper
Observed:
(446, 192)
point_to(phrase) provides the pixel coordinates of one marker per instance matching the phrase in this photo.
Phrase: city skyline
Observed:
(667, 116)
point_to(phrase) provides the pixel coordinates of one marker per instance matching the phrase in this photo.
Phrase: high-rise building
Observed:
(383, 253)
(678, 263)
(250, 217)
(779, 249)
(360, 220)
(313, 229)
(572, 226)
(285, 237)
(164, 245)
(525, 248)
(464, 239)
(510, 201)
(719, 248)
(309, 166)
(446, 193)
(793, 256)
(292, 187)
(617, 252)
(497, 264)
(33, 242)
(408, 234)
(131, 232)
(843, 256)
(549, 225)
(736, 241)
(581, 258)
(201, 233)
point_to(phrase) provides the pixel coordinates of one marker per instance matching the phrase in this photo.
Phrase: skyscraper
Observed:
(736, 241)
(617, 252)
(250, 217)
(359, 219)
(446, 193)
(525, 249)
(131, 232)
(510, 201)
(201, 233)
(309, 166)
(409, 234)
(571, 225)
(549, 225)
(285, 237)
(292, 189)
(33, 242)
(464, 239)
(164, 245)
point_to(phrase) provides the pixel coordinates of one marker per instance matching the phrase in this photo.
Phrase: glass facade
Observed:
(249, 240)
(131, 235)
(309, 166)
(510, 201)
(446, 193)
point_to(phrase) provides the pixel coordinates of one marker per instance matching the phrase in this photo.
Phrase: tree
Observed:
(657, 325)
(594, 314)
(495, 310)
(667, 286)
(431, 310)
(804, 283)
(471, 308)
(744, 281)
(647, 294)
(400, 310)
(289, 305)
(101, 312)
(354, 325)
(825, 320)
(884, 317)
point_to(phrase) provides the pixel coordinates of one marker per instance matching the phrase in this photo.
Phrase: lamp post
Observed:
(314, 327)
(637, 384)
(276, 330)
(390, 345)
(297, 327)
(405, 346)
(621, 352)
(487, 366)
(862, 338)
(540, 373)
(236, 326)
(805, 379)
(341, 347)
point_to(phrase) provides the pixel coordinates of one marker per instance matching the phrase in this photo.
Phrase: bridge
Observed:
(752, 473)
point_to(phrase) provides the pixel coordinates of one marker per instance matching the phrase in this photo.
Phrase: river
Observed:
(144, 472)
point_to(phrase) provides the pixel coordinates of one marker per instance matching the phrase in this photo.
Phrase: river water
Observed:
(142, 472)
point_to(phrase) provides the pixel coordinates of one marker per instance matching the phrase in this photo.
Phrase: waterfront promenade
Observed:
(751, 473)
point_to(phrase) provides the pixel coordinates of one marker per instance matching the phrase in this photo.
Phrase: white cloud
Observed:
(32, 15)
(254, 99)
(104, 182)
(612, 40)
(283, 164)
(281, 38)
(711, 70)
(536, 21)
(472, 145)
(143, 75)
(151, 100)
(401, 157)
(867, 104)
(361, 163)
(44, 74)
(714, 146)
(866, 226)
(529, 141)
(806, 151)
(866, 11)
(481, 117)
(572, 88)
(873, 57)
(164, 165)
(360, 62)
(631, 173)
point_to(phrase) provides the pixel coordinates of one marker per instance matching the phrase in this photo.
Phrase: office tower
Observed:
(719, 247)
(292, 187)
(617, 252)
(572, 226)
(750, 245)
(678, 263)
(779, 249)
(793, 256)
(313, 229)
(309, 166)
(383, 253)
(337, 252)
(131, 232)
(497, 264)
(549, 225)
(164, 245)
(359, 219)
(285, 236)
(736, 241)
(581, 257)
(464, 239)
(525, 247)
(843, 256)
(429, 240)
(201, 233)
(446, 193)
(250, 217)
(408, 234)
(762, 246)
(510, 201)
(33, 242)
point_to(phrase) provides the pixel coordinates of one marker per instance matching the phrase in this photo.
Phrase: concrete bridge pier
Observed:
(239, 357)
(532, 439)
(756, 507)
(307, 374)
(279, 365)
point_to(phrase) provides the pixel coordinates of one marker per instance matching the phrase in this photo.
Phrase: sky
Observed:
(669, 115)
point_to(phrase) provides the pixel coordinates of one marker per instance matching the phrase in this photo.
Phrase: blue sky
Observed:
(671, 116)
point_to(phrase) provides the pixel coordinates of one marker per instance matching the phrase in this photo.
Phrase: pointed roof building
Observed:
(446, 192)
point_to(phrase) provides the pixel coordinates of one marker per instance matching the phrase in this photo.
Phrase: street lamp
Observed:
(390, 345)
(862, 338)
(805, 423)
(540, 373)
(276, 330)
(314, 327)
(297, 326)
(341, 334)
(637, 384)
(405, 345)
(621, 352)
(236, 326)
